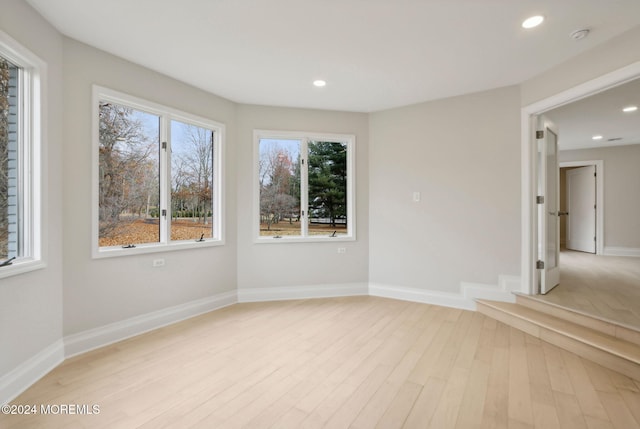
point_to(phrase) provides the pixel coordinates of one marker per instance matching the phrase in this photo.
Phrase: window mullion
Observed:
(304, 192)
(165, 179)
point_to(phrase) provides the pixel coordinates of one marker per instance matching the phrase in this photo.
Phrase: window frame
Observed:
(31, 147)
(305, 137)
(166, 115)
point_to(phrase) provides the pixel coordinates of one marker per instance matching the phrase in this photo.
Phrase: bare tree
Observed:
(192, 173)
(4, 158)
(128, 170)
(279, 185)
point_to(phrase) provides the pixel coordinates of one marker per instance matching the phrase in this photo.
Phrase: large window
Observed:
(305, 186)
(157, 177)
(20, 100)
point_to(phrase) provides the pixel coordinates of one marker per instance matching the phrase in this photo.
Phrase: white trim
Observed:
(464, 300)
(599, 164)
(528, 160)
(99, 337)
(32, 147)
(302, 292)
(18, 380)
(305, 137)
(621, 251)
(424, 296)
(503, 292)
(166, 115)
(29, 372)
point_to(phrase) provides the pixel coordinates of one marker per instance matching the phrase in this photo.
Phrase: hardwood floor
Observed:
(357, 362)
(607, 287)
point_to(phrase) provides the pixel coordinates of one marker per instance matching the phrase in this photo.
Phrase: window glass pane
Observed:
(191, 182)
(129, 159)
(327, 188)
(9, 174)
(279, 176)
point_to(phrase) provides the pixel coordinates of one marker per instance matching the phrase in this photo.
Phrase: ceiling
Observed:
(374, 54)
(599, 114)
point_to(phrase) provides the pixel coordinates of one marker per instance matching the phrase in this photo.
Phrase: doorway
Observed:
(530, 274)
(566, 219)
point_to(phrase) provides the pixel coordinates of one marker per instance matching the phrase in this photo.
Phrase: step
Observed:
(609, 327)
(609, 351)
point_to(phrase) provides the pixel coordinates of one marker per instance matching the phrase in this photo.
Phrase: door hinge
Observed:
(164, 212)
(540, 199)
(164, 145)
(539, 135)
(540, 265)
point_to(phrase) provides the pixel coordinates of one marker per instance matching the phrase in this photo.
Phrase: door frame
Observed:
(599, 198)
(528, 114)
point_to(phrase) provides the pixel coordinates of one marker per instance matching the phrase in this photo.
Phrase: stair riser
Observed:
(583, 320)
(587, 351)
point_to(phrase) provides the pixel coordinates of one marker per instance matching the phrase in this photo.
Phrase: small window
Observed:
(158, 177)
(20, 241)
(305, 186)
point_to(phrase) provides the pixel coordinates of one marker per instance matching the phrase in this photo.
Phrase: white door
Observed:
(581, 205)
(548, 220)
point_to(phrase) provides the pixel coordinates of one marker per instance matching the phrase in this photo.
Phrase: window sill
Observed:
(141, 249)
(21, 267)
(320, 239)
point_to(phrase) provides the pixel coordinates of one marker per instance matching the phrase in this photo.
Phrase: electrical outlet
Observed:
(416, 197)
(342, 250)
(158, 262)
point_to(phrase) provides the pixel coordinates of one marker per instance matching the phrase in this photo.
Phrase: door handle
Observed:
(563, 213)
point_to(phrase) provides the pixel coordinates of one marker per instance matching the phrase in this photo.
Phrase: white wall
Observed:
(312, 265)
(102, 291)
(621, 177)
(31, 304)
(612, 55)
(463, 155)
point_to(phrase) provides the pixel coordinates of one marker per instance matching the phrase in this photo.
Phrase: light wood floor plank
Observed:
(356, 362)
(519, 391)
(603, 286)
(426, 403)
(585, 393)
(619, 415)
(569, 412)
(396, 414)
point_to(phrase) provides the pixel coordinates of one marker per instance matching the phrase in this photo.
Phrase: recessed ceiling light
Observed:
(596, 137)
(533, 21)
(630, 109)
(319, 83)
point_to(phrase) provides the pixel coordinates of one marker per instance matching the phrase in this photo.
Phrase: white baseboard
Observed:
(301, 292)
(465, 299)
(503, 292)
(621, 251)
(18, 380)
(425, 296)
(94, 338)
